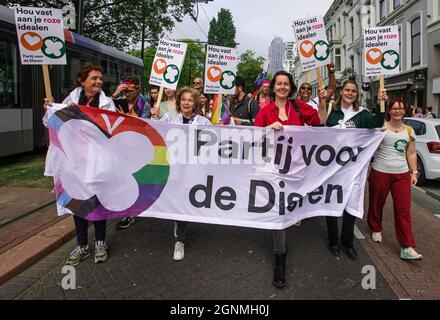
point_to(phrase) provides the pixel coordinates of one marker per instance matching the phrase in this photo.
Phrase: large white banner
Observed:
(108, 165)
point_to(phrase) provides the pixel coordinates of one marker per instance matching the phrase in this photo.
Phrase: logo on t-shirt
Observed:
(350, 124)
(400, 145)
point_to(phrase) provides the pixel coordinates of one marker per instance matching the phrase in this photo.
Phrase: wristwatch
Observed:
(414, 172)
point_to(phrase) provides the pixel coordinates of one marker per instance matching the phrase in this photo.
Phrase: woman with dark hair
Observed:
(282, 112)
(187, 112)
(88, 93)
(205, 106)
(346, 113)
(394, 169)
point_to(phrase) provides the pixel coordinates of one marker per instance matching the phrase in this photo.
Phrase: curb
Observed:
(22, 256)
(28, 213)
(433, 195)
(428, 193)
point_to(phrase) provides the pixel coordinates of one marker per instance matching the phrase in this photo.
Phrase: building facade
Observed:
(276, 55)
(434, 55)
(289, 57)
(419, 26)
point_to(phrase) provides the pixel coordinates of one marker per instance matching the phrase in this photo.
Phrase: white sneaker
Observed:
(409, 253)
(179, 251)
(377, 236)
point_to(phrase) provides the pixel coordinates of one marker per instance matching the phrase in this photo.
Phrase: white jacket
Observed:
(105, 102)
(175, 117)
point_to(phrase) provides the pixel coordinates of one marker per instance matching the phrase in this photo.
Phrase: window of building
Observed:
(416, 41)
(352, 64)
(338, 59)
(352, 29)
(382, 9)
(396, 3)
(339, 28)
(9, 75)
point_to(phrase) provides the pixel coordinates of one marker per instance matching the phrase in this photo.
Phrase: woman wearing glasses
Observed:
(305, 90)
(394, 169)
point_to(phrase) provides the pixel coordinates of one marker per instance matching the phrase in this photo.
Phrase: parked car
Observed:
(428, 147)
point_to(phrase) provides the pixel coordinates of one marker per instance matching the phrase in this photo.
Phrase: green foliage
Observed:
(24, 171)
(118, 23)
(249, 68)
(222, 30)
(194, 64)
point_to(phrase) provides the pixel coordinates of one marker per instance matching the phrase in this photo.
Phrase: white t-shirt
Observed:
(314, 103)
(390, 157)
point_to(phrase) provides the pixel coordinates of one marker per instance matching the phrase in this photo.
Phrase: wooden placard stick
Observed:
(46, 78)
(382, 88)
(159, 100)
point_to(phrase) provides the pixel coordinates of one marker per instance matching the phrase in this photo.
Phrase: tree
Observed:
(121, 23)
(249, 68)
(222, 30)
(193, 66)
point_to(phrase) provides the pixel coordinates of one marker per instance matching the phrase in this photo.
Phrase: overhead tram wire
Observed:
(201, 6)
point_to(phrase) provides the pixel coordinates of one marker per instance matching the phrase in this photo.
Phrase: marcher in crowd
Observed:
(347, 113)
(198, 85)
(394, 169)
(263, 97)
(154, 93)
(305, 89)
(429, 113)
(128, 98)
(205, 106)
(168, 105)
(243, 108)
(282, 112)
(89, 81)
(187, 112)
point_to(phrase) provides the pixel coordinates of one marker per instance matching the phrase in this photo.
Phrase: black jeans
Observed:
(347, 235)
(81, 226)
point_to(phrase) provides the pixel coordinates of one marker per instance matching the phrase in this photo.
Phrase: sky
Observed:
(257, 22)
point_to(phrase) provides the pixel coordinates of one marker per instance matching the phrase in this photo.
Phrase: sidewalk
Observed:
(409, 279)
(29, 228)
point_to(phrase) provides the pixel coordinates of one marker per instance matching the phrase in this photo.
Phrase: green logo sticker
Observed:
(400, 145)
(171, 74)
(53, 47)
(390, 60)
(322, 50)
(228, 80)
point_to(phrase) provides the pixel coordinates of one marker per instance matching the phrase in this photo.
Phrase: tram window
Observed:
(70, 71)
(104, 65)
(9, 75)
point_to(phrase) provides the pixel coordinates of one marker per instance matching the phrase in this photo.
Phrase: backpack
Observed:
(249, 107)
